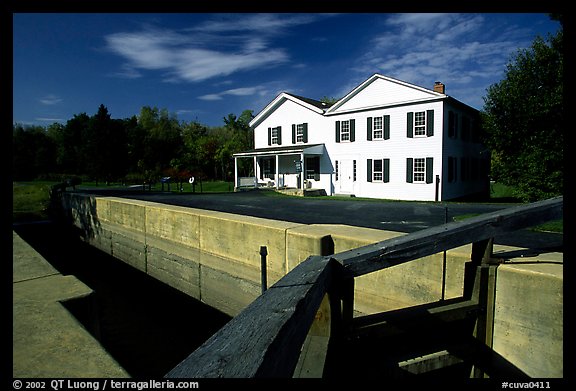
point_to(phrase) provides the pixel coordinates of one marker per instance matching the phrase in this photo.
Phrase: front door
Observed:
(346, 176)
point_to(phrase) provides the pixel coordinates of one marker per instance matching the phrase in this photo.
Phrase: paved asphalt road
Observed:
(395, 216)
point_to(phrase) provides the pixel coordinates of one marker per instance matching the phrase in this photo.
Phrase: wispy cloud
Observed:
(244, 91)
(266, 23)
(45, 119)
(217, 47)
(457, 49)
(50, 100)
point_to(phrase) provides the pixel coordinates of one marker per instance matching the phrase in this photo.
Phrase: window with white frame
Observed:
(274, 136)
(300, 133)
(419, 170)
(377, 170)
(420, 123)
(378, 128)
(345, 131)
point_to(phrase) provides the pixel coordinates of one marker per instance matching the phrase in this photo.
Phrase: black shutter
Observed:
(305, 132)
(386, 127)
(409, 169)
(369, 129)
(429, 170)
(450, 128)
(369, 170)
(386, 170)
(352, 130)
(293, 134)
(410, 125)
(429, 123)
(337, 131)
(269, 136)
(279, 135)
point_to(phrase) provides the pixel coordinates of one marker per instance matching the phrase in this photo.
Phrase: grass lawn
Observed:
(30, 200)
(204, 187)
(500, 191)
(551, 226)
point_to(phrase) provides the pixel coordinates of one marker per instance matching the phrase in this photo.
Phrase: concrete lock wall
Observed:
(528, 318)
(214, 257)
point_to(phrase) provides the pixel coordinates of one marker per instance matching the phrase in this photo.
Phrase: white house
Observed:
(385, 139)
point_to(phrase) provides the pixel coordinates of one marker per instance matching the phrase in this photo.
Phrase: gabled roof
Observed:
(311, 104)
(419, 94)
(402, 93)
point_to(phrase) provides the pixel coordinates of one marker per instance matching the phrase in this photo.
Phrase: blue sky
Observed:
(204, 66)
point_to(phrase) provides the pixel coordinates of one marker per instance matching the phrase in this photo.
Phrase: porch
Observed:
(294, 169)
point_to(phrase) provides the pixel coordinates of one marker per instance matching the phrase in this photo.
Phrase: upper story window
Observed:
(299, 133)
(378, 128)
(420, 124)
(275, 136)
(345, 131)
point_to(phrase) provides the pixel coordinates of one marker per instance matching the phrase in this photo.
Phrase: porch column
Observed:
(255, 172)
(236, 179)
(277, 176)
(303, 173)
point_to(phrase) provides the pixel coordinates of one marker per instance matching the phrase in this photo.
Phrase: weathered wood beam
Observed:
(266, 338)
(412, 319)
(395, 251)
(429, 362)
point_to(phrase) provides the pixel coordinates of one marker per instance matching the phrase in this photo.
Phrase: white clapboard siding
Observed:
(287, 114)
(383, 92)
(377, 97)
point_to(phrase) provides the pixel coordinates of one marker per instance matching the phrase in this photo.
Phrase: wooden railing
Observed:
(266, 338)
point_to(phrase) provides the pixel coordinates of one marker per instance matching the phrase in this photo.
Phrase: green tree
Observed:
(135, 140)
(193, 134)
(96, 143)
(329, 100)
(523, 121)
(240, 138)
(69, 140)
(33, 152)
(163, 141)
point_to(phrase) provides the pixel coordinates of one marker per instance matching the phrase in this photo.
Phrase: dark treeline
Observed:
(138, 149)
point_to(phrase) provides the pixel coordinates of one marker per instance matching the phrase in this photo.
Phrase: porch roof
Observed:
(307, 149)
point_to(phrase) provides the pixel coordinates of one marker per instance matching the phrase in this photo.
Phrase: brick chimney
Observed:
(439, 87)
